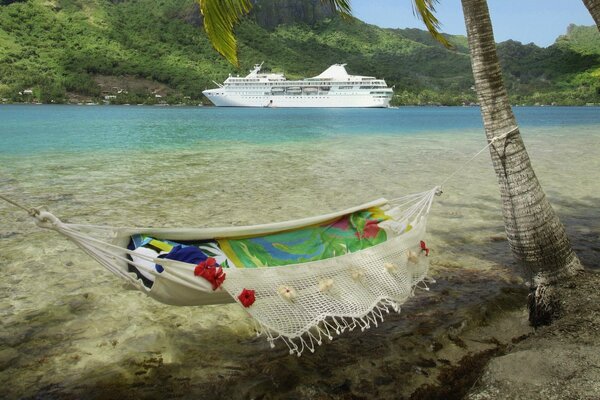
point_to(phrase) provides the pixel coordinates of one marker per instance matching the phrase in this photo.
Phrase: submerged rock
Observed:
(556, 371)
(7, 356)
(561, 360)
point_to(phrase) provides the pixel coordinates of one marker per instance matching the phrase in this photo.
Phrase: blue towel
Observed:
(188, 254)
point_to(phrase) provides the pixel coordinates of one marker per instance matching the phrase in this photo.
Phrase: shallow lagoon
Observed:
(68, 327)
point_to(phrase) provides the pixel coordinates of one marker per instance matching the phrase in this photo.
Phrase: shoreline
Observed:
(211, 105)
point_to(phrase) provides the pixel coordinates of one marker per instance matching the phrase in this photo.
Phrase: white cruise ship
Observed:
(334, 87)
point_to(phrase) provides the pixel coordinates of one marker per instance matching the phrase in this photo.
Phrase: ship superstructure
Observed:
(334, 87)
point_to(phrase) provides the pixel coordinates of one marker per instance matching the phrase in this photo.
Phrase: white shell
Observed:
(287, 292)
(325, 285)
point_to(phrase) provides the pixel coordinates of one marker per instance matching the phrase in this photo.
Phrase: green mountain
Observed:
(581, 39)
(155, 50)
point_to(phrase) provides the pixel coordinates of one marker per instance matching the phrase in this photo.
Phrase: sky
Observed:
(537, 21)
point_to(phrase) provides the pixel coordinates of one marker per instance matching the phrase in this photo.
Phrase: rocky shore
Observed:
(559, 361)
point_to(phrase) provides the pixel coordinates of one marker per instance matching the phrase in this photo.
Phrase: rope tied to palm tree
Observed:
(490, 142)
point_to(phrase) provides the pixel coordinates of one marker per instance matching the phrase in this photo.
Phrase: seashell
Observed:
(325, 285)
(413, 257)
(357, 274)
(287, 292)
(391, 268)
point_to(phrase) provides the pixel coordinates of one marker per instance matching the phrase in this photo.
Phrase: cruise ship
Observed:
(334, 87)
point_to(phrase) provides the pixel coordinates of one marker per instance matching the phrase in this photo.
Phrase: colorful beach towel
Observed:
(347, 234)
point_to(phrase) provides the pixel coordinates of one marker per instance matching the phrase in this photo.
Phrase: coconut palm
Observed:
(535, 234)
(593, 7)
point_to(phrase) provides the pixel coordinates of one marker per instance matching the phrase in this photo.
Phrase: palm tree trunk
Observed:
(535, 235)
(593, 7)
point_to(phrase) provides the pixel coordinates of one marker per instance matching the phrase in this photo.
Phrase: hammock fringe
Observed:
(327, 328)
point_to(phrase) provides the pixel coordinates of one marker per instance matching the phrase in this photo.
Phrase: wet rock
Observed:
(425, 363)
(436, 346)
(560, 361)
(383, 380)
(19, 338)
(258, 389)
(147, 342)
(549, 373)
(341, 388)
(455, 380)
(6, 235)
(77, 304)
(7, 356)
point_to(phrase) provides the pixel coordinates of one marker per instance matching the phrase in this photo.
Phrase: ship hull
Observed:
(301, 101)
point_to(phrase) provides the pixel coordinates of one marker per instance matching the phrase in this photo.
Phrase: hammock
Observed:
(301, 281)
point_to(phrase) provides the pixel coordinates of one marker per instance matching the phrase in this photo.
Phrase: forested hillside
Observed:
(149, 51)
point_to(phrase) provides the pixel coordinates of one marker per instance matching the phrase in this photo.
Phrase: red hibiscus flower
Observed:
(247, 297)
(211, 271)
(424, 248)
(342, 223)
(370, 231)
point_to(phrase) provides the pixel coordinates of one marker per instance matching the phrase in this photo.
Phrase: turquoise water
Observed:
(33, 129)
(70, 330)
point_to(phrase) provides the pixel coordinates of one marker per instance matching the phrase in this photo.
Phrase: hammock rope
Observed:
(490, 142)
(29, 210)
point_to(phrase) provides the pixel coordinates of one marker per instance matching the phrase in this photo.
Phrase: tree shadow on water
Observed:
(581, 218)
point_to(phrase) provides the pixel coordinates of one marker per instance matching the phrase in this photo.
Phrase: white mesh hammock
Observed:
(319, 298)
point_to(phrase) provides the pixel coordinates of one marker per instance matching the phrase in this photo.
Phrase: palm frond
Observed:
(220, 17)
(425, 10)
(341, 6)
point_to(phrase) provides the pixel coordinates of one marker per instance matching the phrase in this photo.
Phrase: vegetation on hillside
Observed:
(147, 52)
